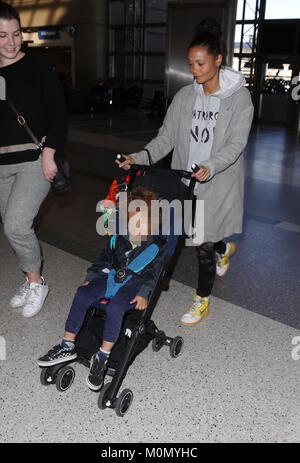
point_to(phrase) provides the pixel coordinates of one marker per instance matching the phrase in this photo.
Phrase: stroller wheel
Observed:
(46, 377)
(102, 396)
(157, 345)
(176, 346)
(65, 378)
(123, 402)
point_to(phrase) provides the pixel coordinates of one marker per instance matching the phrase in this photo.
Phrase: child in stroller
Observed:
(151, 258)
(120, 279)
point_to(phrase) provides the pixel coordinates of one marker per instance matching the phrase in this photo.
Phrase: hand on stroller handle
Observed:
(121, 157)
(201, 173)
(195, 168)
(126, 162)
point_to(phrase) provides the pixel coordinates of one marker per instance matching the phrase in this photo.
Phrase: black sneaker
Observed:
(98, 369)
(58, 354)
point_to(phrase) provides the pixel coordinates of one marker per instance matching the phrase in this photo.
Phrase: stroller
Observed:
(138, 330)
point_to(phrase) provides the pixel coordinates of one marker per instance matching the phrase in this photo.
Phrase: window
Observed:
(278, 9)
(250, 6)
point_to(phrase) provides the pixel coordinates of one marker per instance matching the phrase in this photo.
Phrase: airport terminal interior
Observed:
(237, 378)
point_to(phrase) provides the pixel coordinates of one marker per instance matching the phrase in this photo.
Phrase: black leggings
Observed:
(206, 254)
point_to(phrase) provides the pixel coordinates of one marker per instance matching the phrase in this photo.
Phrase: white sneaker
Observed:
(35, 299)
(19, 299)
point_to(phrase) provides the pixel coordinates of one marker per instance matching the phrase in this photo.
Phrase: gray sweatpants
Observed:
(23, 188)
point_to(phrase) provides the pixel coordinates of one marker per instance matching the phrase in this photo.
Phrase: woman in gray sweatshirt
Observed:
(208, 123)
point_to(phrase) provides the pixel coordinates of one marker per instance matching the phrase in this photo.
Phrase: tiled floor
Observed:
(236, 380)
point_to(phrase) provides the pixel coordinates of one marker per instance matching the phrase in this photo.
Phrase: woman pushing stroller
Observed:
(208, 124)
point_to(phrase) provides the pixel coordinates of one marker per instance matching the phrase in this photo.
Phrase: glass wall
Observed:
(279, 9)
(250, 7)
(247, 28)
(137, 41)
(245, 42)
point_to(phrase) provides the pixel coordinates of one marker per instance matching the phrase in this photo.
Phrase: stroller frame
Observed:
(63, 374)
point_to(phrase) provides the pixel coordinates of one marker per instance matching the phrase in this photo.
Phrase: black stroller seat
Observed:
(138, 330)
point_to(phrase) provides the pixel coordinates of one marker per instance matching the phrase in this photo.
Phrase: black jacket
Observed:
(148, 275)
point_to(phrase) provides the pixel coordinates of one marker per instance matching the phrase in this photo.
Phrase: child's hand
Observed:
(85, 283)
(141, 302)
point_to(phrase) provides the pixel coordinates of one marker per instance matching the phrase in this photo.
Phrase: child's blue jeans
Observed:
(90, 296)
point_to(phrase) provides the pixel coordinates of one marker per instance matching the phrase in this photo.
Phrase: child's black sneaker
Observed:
(98, 369)
(58, 354)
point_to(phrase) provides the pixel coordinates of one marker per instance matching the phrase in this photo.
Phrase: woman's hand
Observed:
(126, 164)
(141, 302)
(202, 175)
(49, 166)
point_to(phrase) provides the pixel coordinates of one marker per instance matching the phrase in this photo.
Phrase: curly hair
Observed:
(144, 193)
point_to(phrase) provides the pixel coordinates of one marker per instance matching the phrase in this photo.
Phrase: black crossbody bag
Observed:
(62, 181)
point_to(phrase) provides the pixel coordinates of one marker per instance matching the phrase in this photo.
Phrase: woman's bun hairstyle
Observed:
(209, 26)
(208, 33)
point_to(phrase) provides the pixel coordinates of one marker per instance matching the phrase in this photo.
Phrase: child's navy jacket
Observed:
(148, 275)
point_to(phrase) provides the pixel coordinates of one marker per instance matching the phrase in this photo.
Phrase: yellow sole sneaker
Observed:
(222, 266)
(195, 315)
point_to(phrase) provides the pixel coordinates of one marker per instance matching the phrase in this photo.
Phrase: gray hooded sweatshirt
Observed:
(205, 114)
(223, 192)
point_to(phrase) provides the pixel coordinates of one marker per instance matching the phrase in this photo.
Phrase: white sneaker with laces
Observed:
(19, 299)
(35, 299)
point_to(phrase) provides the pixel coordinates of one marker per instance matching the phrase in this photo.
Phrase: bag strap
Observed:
(21, 120)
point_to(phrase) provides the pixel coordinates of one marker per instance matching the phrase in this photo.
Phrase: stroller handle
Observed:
(120, 158)
(181, 173)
